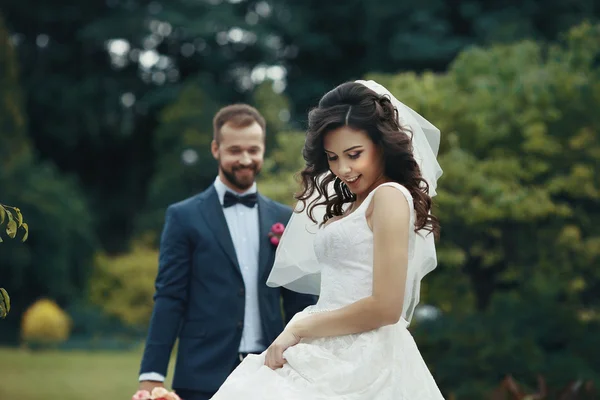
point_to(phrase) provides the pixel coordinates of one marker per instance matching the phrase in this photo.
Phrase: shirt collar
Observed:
(221, 188)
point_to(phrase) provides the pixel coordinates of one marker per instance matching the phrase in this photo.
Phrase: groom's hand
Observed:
(149, 385)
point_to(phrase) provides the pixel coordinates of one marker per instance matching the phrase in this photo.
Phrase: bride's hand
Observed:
(274, 357)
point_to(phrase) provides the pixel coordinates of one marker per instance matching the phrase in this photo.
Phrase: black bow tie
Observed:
(231, 199)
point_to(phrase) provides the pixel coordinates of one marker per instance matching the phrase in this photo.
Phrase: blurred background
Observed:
(105, 119)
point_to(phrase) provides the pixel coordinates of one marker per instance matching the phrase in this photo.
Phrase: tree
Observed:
(54, 260)
(184, 164)
(115, 65)
(279, 180)
(344, 41)
(520, 237)
(94, 57)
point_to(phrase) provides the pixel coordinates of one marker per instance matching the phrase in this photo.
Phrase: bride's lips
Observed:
(353, 181)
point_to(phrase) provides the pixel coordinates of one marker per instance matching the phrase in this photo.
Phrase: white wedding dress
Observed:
(384, 364)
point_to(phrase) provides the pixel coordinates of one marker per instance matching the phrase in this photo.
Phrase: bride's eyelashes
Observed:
(352, 156)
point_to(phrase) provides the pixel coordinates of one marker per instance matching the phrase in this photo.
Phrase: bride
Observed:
(362, 238)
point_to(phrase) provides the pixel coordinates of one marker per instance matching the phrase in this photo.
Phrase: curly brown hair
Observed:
(353, 104)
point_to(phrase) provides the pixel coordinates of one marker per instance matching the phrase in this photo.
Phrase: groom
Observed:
(215, 257)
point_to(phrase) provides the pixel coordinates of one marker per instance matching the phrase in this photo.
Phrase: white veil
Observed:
(296, 266)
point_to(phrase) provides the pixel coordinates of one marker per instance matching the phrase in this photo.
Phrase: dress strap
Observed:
(411, 209)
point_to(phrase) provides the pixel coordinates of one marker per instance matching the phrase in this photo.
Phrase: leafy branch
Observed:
(4, 303)
(11, 220)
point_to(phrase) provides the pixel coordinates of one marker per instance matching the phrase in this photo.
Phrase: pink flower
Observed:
(141, 395)
(160, 393)
(276, 232)
(278, 228)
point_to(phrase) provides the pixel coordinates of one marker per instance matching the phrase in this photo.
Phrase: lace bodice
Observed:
(344, 247)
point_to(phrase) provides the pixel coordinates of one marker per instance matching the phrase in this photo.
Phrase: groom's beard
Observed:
(241, 177)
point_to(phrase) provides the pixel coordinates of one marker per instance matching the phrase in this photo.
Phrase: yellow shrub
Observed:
(45, 323)
(123, 286)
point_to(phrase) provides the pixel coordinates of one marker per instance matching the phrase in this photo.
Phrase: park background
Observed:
(105, 119)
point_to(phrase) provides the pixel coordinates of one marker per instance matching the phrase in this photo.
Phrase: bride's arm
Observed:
(389, 221)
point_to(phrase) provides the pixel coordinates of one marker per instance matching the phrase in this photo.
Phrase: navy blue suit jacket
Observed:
(200, 293)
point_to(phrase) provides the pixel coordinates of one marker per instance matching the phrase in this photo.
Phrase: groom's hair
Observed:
(239, 116)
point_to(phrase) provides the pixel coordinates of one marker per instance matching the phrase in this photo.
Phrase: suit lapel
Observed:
(212, 212)
(264, 243)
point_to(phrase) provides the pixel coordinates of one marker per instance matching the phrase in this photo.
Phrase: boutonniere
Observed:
(276, 232)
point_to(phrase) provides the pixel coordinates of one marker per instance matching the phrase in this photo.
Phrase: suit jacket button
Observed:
(241, 292)
(240, 324)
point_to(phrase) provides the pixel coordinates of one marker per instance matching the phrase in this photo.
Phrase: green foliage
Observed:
(520, 146)
(184, 163)
(279, 180)
(4, 303)
(109, 102)
(523, 335)
(343, 41)
(123, 286)
(14, 144)
(275, 108)
(11, 220)
(509, 389)
(54, 261)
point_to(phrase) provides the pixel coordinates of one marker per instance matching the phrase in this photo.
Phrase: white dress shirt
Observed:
(245, 231)
(243, 224)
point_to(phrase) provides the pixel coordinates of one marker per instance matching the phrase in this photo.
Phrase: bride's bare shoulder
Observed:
(389, 201)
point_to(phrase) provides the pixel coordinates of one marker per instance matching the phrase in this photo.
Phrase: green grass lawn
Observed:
(68, 375)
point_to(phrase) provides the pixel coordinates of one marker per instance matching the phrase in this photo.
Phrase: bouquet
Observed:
(158, 393)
